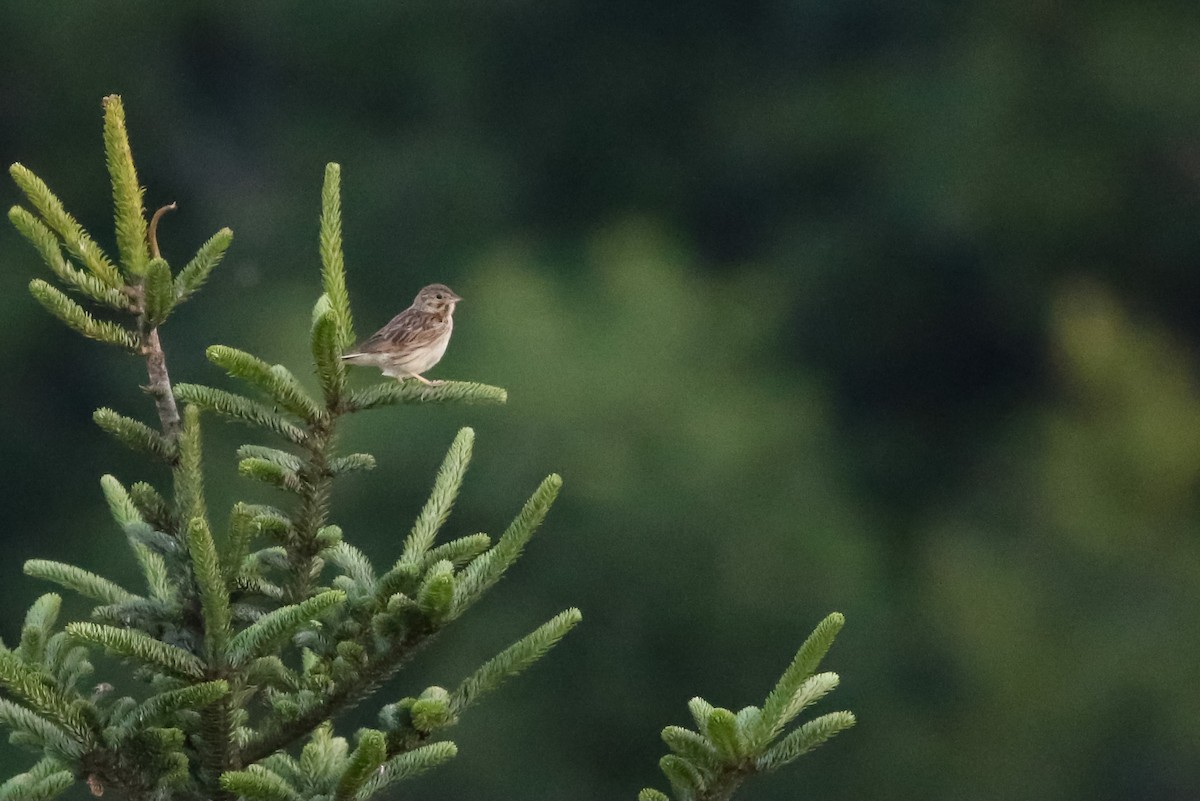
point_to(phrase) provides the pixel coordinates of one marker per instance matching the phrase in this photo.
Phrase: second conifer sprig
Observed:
(710, 762)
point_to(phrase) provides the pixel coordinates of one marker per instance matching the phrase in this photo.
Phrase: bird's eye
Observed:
(439, 296)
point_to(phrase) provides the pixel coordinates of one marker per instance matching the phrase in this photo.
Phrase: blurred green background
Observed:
(888, 308)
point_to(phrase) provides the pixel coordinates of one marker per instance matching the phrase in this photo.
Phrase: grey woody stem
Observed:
(160, 384)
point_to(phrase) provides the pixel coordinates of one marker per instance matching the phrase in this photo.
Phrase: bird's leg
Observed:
(422, 379)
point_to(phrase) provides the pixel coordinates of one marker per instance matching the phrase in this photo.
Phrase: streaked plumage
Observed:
(414, 340)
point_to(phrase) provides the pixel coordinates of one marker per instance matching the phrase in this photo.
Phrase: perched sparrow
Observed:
(414, 340)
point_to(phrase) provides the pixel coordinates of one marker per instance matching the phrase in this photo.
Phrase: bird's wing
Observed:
(403, 329)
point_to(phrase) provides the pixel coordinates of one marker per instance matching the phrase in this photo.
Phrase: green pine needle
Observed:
(351, 463)
(271, 473)
(42, 697)
(71, 313)
(81, 581)
(159, 293)
(352, 562)
(435, 596)
(514, 659)
(811, 652)
(127, 192)
(723, 732)
(686, 779)
(34, 787)
(407, 765)
(650, 794)
(157, 709)
(257, 783)
(327, 351)
(272, 628)
(214, 598)
(196, 272)
(691, 746)
(441, 500)
(274, 380)
(44, 240)
(239, 408)
(72, 235)
(39, 623)
(804, 739)
(189, 472)
(458, 552)
(141, 648)
(45, 732)
(487, 568)
(135, 435)
(366, 760)
(333, 263)
(391, 393)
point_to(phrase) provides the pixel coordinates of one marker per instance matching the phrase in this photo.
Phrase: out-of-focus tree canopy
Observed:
(886, 308)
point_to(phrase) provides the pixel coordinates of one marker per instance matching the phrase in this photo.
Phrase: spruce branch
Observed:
(367, 758)
(74, 315)
(40, 730)
(240, 409)
(45, 781)
(811, 652)
(189, 472)
(81, 581)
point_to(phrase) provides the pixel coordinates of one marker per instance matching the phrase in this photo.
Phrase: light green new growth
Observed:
(70, 233)
(159, 289)
(42, 238)
(333, 264)
(196, 272)
(127, 192)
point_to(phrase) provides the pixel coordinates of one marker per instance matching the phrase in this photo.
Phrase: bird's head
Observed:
(437, 298)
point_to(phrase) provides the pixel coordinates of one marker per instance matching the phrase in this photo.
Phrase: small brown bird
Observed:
(415, 339)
